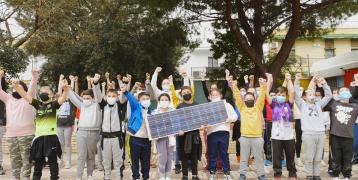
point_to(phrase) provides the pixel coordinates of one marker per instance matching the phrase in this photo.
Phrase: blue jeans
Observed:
(356, 141)
(218, 144)
(140, 152)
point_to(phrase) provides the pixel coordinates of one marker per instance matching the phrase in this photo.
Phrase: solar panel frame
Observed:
(170, 123)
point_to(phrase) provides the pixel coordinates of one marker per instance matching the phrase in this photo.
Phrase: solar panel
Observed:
(186, 119)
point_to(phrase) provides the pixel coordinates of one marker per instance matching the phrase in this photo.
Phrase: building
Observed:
(312, 54)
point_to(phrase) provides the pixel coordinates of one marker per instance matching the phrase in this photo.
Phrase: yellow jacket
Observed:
(251, 118)
(175, 97)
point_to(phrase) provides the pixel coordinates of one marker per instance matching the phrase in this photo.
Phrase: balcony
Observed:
(195, 71)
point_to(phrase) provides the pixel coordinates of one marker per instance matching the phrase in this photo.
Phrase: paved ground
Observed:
(71, 173)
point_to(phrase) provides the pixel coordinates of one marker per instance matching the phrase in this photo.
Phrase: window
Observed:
(329, 50)
(354, 44)
(213, 62)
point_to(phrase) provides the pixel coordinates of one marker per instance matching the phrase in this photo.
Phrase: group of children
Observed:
(110, 118)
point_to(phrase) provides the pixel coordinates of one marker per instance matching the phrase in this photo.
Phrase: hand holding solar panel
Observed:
(186, 119)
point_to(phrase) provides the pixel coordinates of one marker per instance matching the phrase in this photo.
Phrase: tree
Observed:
(84, 37)
(253, 22)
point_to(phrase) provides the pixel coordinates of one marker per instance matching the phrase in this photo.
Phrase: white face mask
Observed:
(215, 99)
(145, 103)
(87, 102)
(166, 88)
(311, 98)
(164, 104)
(111, 100)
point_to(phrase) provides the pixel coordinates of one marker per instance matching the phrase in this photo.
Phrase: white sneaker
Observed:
(346, 179)
(267, 169)
(90, 178)
(227, 177)
(299, 162)
(336, 178)
(323, 163)
(67, 165)
(167, 178)
(212, 177)
(162, 178)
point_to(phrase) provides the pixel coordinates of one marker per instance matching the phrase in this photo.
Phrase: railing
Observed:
(195, 71)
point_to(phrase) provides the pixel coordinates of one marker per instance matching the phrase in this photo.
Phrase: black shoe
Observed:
(177, 170)
(316, 178)
(355, 162)
(309, 177)
(330, 173)
(2, 171)
(195, 177)
(185, 178)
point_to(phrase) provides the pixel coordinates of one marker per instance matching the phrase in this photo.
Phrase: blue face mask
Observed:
(345, 95)
(280, 99)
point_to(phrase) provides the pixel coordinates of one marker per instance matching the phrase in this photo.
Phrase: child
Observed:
(2, 121)
(218, 138)
(282, 134)
(165, 146)
(251, 140)
(186, 151)
(20, 126)
(46, 143)
(313, 126)
(343, 115)
(140, 146)
(65, 122)
(88, 127)
(111, 132)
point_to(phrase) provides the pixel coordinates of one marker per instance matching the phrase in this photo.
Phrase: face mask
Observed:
(145, 103)
(87, 102)
(16, 95)
(216, 99)
(111, 100)
(187, 97)
(250, 103)
(164, 104)
(311, 98)
(166, 88)
(44, 97)
(345, 95)
(280, 99)
(243, 93)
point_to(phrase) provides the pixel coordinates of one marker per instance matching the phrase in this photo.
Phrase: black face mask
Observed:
(16, 95)
(187, 97)
(44, 97)
(250, 103)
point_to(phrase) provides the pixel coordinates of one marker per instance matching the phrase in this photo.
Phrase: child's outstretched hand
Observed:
(35, 74)
(298, 76)
(2, 73)
(96, 78)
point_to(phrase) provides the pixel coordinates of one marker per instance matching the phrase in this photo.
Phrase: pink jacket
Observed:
(20, 115)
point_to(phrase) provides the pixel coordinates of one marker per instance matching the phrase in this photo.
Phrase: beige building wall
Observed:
(342, 46)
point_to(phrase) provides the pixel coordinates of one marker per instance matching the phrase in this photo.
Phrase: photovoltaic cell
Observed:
(186, 119)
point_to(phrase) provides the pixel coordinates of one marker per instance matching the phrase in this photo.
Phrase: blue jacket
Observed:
(136, 119)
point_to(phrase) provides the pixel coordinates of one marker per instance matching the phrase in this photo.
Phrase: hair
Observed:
(162, 95)
(281, 89)
(215, 89)
(112, 91)
(303, 94)
(24, 86)
(184, 88)
(143, 94)
(88, 92)
(320, 90)
(250, 93)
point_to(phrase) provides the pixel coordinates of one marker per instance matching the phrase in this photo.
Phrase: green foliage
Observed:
(13, 60)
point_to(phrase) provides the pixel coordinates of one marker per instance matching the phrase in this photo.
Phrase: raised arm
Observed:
(260, 103)
(59, 87)
(175, 98)
(19, 89)
(290, 88)
(74, 98)
(3, 95)
(205, 88)
(327, 93)
(129, 77)
(298, 98)
(237, 95)
(192, 86)
(89, 85)
(64, 96)
(103, 86)
(134, 104)
(108, 80)
(72, 81)
(154, 80)
(313, 83)
(252, 81)
(149, 89)
(97, 90)
(76, 84)
(32, 89)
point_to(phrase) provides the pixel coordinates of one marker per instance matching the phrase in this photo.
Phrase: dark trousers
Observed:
(342, 154)
(267, 143)
(140, 150)
(192, 156)
(288, 147)
(356, 141)
(298, 137)
(218, 145)
(40, 163)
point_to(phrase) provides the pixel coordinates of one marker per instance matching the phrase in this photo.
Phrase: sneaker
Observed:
(99, 167)
(299, 162)
(90, 178)
(2, 171)
(242, 177)
(267, 169)
(195, 177)
(283, 163)
(346, 179)
(162, 178)
(316, 178)
(227, 177)
(292, 178)
(355, 162)
(323, 163)
(67, 165)
(268, 163)
(261, 177)
(167, 178)
(185, 178)
(177, 170)
(277, 178)
(330, 172)
(335, 178)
